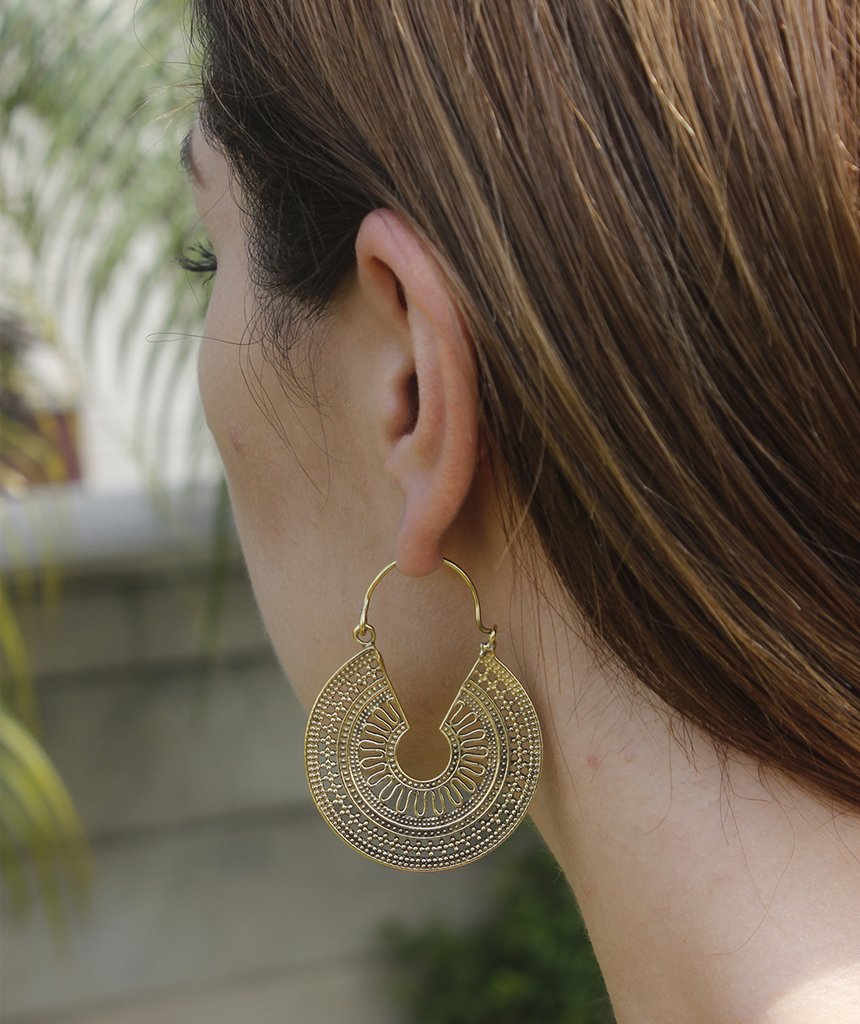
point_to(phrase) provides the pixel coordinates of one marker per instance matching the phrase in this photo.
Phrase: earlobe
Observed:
(433, 429)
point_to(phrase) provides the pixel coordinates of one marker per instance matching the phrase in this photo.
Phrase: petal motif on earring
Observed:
(461, 814)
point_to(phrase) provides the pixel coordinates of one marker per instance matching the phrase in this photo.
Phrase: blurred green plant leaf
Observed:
(528, 962)
(39, 827)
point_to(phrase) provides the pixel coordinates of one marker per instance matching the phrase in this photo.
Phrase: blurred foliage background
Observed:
(528, 962)
(94, 98)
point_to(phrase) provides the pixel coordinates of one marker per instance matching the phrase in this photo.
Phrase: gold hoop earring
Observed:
(432, 825)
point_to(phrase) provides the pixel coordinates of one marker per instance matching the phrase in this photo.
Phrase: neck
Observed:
(709, 894)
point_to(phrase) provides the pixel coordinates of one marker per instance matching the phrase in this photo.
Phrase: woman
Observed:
(568, 292)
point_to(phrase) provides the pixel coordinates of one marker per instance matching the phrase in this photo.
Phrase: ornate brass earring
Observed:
(461, 814)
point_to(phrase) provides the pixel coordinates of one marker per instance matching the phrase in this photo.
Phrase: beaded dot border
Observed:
(463, 813)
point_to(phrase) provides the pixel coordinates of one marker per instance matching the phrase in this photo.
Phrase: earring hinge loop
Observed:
(365, 634)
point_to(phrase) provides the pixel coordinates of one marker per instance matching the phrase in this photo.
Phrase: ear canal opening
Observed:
(412, 400)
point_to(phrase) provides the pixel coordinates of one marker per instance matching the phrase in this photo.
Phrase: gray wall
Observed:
(220, 894)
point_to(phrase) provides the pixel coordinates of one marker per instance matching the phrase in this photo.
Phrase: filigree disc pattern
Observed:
(422, 825)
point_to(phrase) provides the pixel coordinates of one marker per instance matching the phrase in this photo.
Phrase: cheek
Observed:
(306, 509)
(234, 384)
(313, 516)
(272, 455)
(218, 362)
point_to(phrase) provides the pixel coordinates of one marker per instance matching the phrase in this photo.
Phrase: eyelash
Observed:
(199, 259)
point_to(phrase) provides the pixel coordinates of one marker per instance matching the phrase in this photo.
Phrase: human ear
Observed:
(430, 385)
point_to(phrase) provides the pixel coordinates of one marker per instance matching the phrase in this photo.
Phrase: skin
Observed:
(709, 895)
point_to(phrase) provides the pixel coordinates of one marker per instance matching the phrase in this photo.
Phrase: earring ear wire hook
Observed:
(365, 634)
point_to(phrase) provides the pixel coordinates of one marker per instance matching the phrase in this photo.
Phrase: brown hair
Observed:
(649, 214)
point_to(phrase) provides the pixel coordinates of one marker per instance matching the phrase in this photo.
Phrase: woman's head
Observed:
(581, 276)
